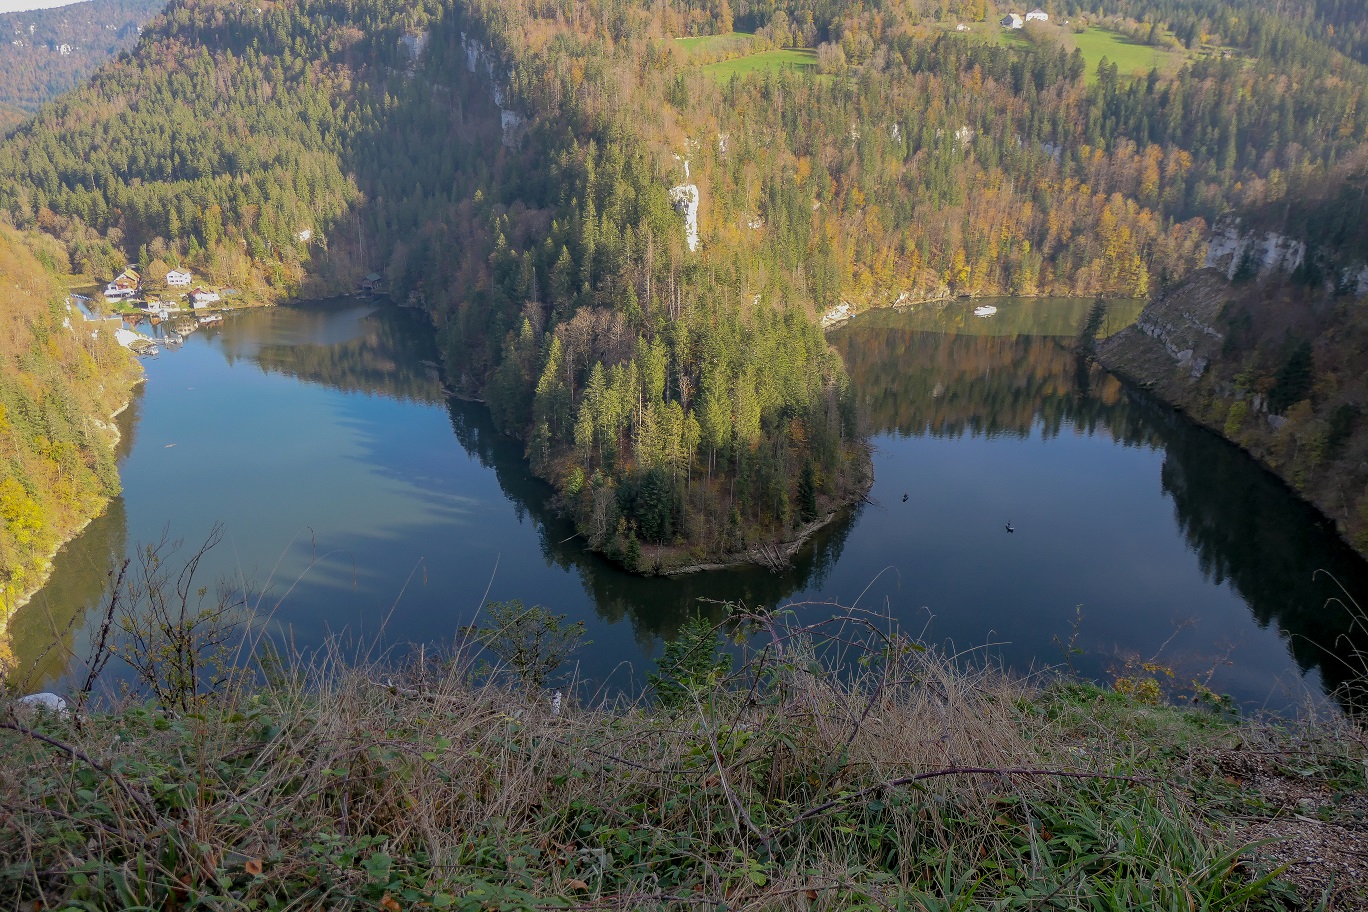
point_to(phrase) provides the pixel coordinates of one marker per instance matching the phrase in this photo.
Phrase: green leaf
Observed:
(378, 867)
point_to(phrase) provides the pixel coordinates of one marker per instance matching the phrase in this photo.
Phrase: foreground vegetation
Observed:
(841, 766)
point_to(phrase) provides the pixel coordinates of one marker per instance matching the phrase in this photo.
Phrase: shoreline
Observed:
(1152, 388)
(45, 572)
(778, 556)
(762, 555)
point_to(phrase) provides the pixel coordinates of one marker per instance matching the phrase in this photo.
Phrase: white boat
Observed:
(985, 310)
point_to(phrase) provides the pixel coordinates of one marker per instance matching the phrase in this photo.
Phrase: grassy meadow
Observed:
(787, 58)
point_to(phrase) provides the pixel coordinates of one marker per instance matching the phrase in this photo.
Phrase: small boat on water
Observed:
(985, 310)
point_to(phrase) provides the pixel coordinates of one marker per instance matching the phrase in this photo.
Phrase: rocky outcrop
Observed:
(1262, 252)
(1226, 354)
(684, 198)
(1177, 336)
(479, 57)
(1234, 251)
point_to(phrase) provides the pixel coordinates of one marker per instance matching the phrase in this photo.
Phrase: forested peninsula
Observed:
(60, 387)
(625, 250)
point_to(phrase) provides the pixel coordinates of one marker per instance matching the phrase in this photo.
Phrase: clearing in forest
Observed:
(787, 58)
(1132, 58)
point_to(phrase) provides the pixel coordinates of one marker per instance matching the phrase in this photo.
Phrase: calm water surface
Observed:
(364, 503)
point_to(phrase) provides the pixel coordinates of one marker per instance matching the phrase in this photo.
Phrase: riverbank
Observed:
(58, 383)
(1184, 349)
(915, 784)
(774, 556)
(43, 570)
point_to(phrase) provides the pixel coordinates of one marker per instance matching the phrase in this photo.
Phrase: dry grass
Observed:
(841, 767)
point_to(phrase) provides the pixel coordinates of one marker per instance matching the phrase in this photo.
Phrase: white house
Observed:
(202, 298)
(1012, 20)
(1037, 15)
(123, 287)
(178, 278)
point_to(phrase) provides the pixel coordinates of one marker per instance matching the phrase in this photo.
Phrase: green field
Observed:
(788, 58)
(714, 45)
(1131, 57)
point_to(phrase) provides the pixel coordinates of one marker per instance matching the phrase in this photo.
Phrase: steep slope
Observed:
(46, 52)
(59, 385)
(1268, 345)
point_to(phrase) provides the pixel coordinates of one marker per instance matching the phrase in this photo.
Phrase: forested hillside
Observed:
(58, 389)
(526, 172)
(43, 53)
(1277, 344)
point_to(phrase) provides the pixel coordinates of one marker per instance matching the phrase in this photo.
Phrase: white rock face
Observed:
(414, 44)
(1273, 252)
(837, 315)
(1355, 278)
(125, 337)
(478, 56)
(685, 201)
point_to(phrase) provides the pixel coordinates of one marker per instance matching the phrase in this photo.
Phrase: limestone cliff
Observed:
(1274, 365)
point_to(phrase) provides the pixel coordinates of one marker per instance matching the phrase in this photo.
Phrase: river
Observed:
(362, 504)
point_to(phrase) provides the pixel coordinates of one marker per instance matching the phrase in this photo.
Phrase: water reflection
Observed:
(389, 351)
(656, 607)
(50, 632)
(331, 419)
(1244, 526)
